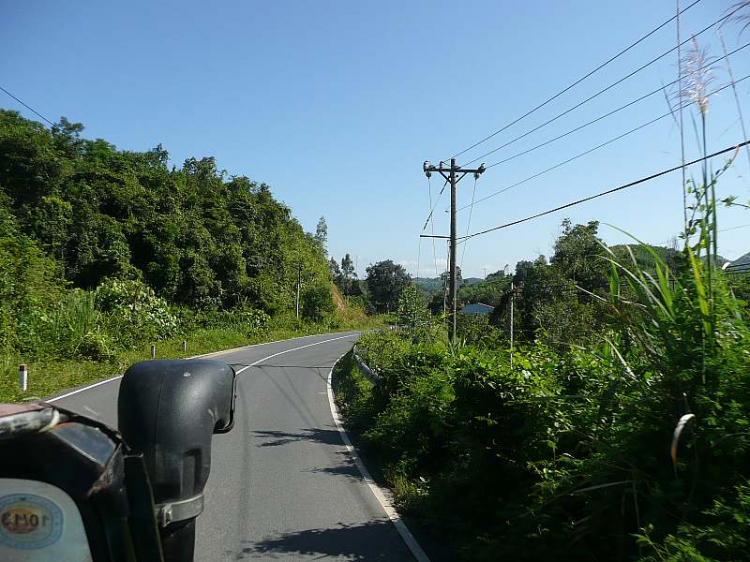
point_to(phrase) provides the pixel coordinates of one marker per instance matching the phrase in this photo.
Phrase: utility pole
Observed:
(453, 178)
(299, 283)
(512, 303)
(445, 287)
(512, 306)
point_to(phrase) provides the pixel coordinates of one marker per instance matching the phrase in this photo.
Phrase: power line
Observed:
(591, 73)
(568, 161)
(732, 267)
(27, 106)
(419, 256)
(468, 224)
(735, 228)
(590, 150)
(432, 224)
(621, 108)
(602, 91)
(432, 207)
(682, 124)
(603, 193)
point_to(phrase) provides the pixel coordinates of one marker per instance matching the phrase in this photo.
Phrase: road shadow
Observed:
(320, 370)
(278, 438)
(347, 468)
(377, 540)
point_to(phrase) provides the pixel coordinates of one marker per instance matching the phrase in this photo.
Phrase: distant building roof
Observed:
(478, 308)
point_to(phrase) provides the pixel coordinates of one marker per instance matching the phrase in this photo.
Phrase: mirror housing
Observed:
(168, 411)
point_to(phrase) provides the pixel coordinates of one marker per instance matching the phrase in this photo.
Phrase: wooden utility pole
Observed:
(453, 178)
(512, 306)
(299, 283)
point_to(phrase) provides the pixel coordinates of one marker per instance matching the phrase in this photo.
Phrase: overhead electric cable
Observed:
(432, 223)
(681, 123)
(736, 97)
(432, 207)
(735, 227)
(609, 191)
(27, 106)
(468, 223)
(604, 116)
(589, 151)
(419, 256)
(600, 92)
(591, 73)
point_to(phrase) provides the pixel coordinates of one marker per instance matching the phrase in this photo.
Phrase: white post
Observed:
(184, 346)
(23, 377)
(153, 352)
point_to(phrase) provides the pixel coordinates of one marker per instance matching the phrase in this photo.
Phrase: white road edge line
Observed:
(89, 387)
(380, 494)
(118, 377)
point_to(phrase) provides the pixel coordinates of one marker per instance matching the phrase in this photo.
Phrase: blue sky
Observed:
(336, 105)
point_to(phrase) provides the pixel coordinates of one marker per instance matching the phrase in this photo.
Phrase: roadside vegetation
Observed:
(104, 253)
(620, 430)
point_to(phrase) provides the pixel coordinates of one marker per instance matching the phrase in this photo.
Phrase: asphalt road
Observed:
(282, 484)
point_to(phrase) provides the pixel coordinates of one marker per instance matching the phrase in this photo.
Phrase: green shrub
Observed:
(96, 346)
(134, 311)
(317, 303)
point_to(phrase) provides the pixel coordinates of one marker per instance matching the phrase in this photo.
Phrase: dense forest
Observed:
(196, 235)
(103, 249)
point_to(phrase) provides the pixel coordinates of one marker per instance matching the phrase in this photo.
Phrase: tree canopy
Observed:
(385, 282)
(197, 235)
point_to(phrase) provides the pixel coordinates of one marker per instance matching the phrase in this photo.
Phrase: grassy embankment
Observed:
(49, 375)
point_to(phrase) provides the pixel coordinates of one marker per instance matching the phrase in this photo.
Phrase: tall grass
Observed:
(74, 320)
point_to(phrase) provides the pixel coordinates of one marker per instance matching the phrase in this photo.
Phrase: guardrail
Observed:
(368, 372)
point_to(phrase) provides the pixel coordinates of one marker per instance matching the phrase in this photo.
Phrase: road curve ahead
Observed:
(282, 484)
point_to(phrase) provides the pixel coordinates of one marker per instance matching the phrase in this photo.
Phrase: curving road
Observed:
(282, 486)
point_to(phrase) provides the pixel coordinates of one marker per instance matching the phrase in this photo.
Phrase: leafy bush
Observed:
(135, 311)
(567, 453)
(96, 346)
(475, 329)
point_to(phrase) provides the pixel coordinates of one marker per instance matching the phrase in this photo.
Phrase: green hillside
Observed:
(104, 252)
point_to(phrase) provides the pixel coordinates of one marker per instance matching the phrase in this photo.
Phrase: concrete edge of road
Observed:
(212, 353)
(382, 496)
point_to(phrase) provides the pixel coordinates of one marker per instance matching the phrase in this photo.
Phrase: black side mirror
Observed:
(168, 411)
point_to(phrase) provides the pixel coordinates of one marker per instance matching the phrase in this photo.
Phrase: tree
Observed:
(579, 256)
(193, 234)
(349, 284)
(333, 266)
(445, 277)
(385, 281)
(321, 234)
(412, 310)
(489, 291)
(317, 303)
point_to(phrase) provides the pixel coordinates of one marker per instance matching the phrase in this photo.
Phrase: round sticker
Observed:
(28, 521)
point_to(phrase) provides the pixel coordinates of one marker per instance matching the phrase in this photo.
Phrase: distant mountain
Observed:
(742, 259)
(644, 258)
(430, 285)
(740, 265)
(435, 284)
